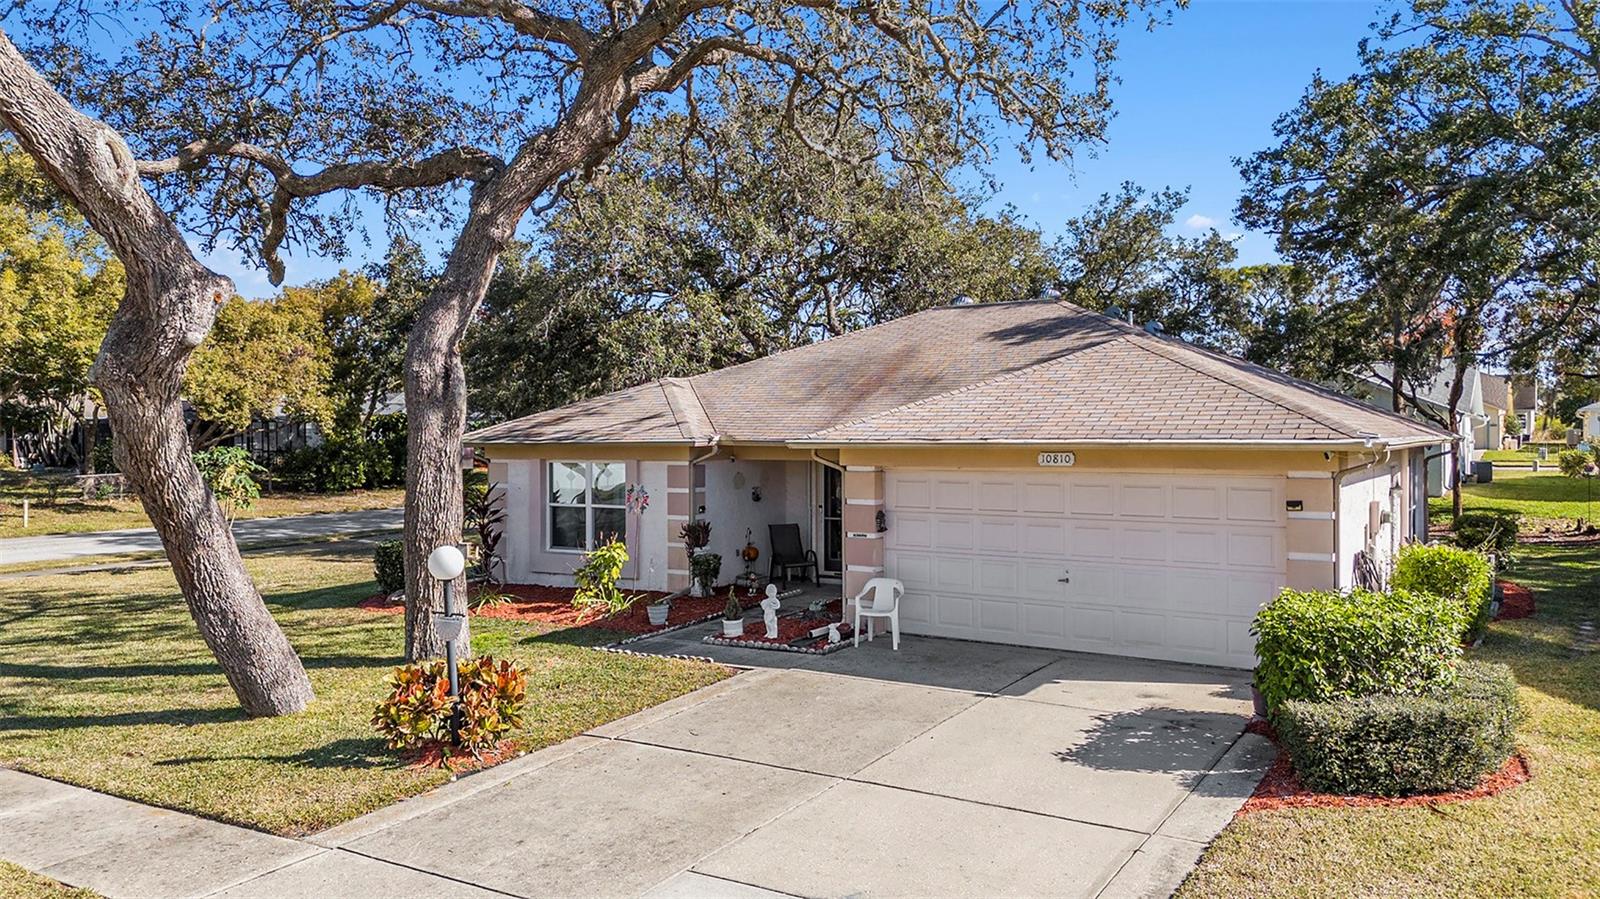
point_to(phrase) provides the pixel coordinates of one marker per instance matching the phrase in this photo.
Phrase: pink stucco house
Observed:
(1035, 473)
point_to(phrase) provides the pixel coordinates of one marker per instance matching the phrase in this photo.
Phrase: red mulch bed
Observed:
(553, 605)
(436, 754)
(1516, 601)
(795, 627)
(1282, 787)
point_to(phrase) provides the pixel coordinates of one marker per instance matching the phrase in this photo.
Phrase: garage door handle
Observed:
(1064, 580)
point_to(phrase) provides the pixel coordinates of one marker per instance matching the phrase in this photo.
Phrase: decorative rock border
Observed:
(718, 640)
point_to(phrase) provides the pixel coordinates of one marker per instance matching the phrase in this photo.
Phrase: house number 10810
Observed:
(1057, 458)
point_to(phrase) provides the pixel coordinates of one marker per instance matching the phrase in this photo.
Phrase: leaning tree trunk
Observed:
(436, 386)
(1457, 388)
(169, 305)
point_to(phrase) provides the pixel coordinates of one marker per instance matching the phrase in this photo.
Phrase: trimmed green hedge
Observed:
(1320, 646)
(1449, 739)
(389, 565)
(1460, 574)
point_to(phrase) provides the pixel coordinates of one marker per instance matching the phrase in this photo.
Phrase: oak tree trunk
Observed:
(169, 305)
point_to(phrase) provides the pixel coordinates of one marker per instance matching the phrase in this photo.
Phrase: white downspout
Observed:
(1338, 493)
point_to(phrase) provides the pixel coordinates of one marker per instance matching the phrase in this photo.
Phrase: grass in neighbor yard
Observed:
(55, 507)
(1547, 494)
(105, 683)
(1539, 839)
(19, 883)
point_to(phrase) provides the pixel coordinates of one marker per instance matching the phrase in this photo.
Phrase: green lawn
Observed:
(1547, 494)
(56, 509)
(1538, 839)
(1524, 456)
(20, 883)
(104, 683)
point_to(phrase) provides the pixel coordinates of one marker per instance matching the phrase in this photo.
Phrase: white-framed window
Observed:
(586, 505)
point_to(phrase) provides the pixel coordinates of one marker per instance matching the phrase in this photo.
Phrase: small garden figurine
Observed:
(732, 616)
(769, 610)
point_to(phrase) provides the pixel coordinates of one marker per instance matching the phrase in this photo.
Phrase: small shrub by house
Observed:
(1488, 531)
(389, 565)
(1459, 574)
(1448, 738)
(1319, 646)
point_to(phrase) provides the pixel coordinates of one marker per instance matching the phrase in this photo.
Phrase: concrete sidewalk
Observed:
(124, 849)
(249, 531)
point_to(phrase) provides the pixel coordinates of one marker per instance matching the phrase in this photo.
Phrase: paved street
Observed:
(947, 769)
(65, 547)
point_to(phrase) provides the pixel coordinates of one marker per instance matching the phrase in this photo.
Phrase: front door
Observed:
(831, 517)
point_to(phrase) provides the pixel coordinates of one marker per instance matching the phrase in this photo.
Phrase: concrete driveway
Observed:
(948, 769)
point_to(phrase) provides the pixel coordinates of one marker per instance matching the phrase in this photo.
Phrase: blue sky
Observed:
(1194, 95)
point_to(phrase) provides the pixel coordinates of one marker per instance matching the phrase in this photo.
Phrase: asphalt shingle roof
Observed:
(1040, 371)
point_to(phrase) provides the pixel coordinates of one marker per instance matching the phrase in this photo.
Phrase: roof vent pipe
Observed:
(1154, 327)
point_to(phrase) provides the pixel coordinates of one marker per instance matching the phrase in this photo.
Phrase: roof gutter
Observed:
(1345, 444)
(711, 450)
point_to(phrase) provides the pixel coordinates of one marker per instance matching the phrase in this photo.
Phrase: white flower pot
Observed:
(733, 628)
(658, 612)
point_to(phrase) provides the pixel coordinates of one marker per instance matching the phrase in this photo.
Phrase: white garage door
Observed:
(1159, 566)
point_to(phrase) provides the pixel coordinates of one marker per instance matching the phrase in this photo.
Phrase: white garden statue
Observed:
(833, 634)
(769, 611)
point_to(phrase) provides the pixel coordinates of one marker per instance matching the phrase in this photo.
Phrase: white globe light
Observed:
(446, 563)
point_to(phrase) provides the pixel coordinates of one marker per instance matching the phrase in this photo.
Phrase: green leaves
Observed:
(232, 475)
(1319, 646)
(597, 579)
(1461, 575)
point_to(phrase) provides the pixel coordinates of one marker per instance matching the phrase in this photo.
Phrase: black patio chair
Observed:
(788, 555)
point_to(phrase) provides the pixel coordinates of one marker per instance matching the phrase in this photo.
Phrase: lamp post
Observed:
(446, 564)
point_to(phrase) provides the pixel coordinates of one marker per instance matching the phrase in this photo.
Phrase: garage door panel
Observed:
(1142, 543)
(1141, 628)
(1196, 634)
(1092, 625)
(914, 569)
(997, 576)
(1049, 498)
(997, 496)
(1091, 540)
(1197, 503)
(952, 611)
(1044, 537)
(1253, 504)
(952, 573)
(1145, 588)
(1255, 549)
(911, 493)
(1197, 547)
(1142, 501)
(913, 530)
(1170, 567)
(1044, 620)
(954, 534)
(998, 535)
(1091, 499)
(998, 616)
(950, 494)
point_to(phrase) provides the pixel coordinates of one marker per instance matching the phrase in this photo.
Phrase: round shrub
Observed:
(1320, 646)
(1447, 739)
(1460, 574)
(389, 565)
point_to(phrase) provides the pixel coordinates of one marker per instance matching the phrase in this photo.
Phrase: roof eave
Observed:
(1342, 443)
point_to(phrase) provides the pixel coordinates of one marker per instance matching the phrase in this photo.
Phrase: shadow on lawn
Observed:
(185, 717)
(350, 753)
(1181, 742)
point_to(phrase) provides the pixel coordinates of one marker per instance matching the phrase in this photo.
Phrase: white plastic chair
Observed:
(886, 593)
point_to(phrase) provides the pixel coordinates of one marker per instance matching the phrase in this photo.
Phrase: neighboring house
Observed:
(1471, 419)
(1035, 473)
(1525, 403)
(1495, 391)
(1589, 422)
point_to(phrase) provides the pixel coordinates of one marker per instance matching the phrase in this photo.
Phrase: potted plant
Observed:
(704, 569)
(695, 535)
(658, 611)
(732, 616)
